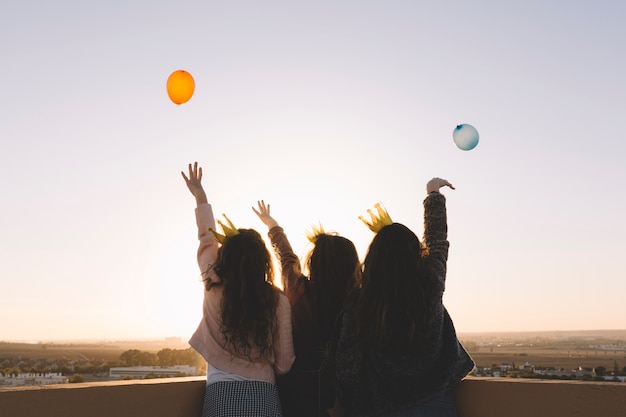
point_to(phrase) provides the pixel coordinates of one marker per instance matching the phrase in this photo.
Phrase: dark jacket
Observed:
(308, 389)
(379, 382)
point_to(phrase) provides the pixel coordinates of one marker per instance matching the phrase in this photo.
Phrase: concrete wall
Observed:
(506, 397)
(172, 397)
(182, 397)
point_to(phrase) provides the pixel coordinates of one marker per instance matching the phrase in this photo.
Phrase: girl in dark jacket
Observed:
(309, 389)
(398, 353)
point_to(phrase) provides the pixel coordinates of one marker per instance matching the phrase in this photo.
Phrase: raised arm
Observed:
(194, 183)
(291, 273)
(436, 226)
(207, 249)
(263, 212)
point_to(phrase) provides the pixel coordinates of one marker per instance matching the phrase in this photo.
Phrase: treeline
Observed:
(164, 357)
(16, 366)
(13, 366)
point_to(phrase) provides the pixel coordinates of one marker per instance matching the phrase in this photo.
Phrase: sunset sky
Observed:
(322, 109)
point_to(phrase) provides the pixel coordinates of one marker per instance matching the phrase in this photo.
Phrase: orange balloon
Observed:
(180, 86)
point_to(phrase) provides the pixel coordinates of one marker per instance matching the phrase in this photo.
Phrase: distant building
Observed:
(613, 347)
(31, 379)
(140, 372)
(527, 367)
(616, 378)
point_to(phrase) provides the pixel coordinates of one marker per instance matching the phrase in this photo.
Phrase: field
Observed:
(108, 352)
(549, 357)
(549, 349)
(567, 351)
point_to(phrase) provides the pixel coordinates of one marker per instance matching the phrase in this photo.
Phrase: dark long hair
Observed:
(250, 298)
(399, 296)
(334, 270)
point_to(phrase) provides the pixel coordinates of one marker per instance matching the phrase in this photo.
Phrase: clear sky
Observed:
(322, 109)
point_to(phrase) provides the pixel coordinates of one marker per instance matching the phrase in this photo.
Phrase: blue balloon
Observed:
(465, 137)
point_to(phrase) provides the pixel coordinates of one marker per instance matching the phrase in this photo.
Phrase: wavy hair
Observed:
(335, 270)
(250, 298)
(397, 304)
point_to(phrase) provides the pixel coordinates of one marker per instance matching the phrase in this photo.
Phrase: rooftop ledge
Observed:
(182, 397)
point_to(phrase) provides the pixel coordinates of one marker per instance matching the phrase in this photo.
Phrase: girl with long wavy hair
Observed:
(334, 269)
(245, 332)
(398, 353)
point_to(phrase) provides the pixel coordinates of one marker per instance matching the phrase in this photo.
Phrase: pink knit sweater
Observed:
(208, 339)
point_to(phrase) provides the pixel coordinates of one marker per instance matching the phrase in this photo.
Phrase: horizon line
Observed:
(182, 339)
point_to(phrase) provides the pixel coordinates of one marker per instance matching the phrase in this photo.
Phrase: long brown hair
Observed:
(398, 301)
(334, 270)
(250, 298)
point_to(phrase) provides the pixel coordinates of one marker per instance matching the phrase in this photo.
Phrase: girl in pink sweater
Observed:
(245, 332)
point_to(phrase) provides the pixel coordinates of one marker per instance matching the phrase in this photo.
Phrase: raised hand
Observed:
(436, 183)
(264, 214)
(194, 182)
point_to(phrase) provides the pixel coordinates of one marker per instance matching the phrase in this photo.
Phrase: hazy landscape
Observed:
(85, 349)
(566, 350)
(90, 361)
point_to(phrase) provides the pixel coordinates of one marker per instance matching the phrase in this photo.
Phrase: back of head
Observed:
(397, 297)
(394, 248)
(245, 258)
(335, 270)
(249, 300)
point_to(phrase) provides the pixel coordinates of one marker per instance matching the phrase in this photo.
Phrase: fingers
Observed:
(447, 184)
(195, 173)
(264, 209)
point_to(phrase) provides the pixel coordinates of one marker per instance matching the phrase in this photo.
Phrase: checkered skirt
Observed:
(241, 399)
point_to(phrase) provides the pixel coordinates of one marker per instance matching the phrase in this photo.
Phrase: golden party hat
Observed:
(316, 231)
(228, 230)
(378, 220)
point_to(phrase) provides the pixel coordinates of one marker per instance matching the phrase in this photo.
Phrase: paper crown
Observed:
(228, 230)
(379, 219)
(316, 231)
